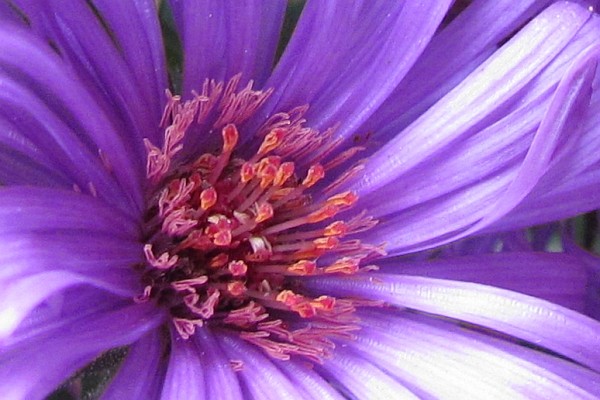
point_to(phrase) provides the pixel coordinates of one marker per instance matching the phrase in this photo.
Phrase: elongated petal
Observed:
(185, 375)
(33, 369)
(310, 382)
(38, 210)
(558, 278)
(453, 53)
(537, 321)
(344, 368)
(477, 197)
(58, 114)
(220, 379)
(441, 360)
(223, 39)
(375, 45)
(259, 377)
(141, 374)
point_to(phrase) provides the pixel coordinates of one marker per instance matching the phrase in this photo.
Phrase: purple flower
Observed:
(276, 232)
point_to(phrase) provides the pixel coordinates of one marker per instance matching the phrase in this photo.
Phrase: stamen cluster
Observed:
(229, 239)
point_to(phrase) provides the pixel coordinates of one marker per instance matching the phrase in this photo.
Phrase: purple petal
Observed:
(537, 321)
(361, 379)
(57, 113)
(135, 28)
(510, 168)
(558, 278)
(313, 385)
(452, 54)
(480, 95)
(221, 380)
(223, 39)
(185, 375)
(39, 210)
(259, 377)
(346, 57)
(34, 368)
(142, 373)
(438, 359)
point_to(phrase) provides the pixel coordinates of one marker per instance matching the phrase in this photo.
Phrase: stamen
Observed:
(229, 240)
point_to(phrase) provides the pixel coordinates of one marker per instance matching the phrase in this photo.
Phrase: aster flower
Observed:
(254, 236)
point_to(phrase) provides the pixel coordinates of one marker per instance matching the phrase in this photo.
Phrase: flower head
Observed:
(275, 232)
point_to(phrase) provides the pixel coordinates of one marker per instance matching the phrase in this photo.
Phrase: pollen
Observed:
(230, 234)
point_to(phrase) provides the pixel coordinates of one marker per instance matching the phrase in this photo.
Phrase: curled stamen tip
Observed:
(247, 172)
(236, 288)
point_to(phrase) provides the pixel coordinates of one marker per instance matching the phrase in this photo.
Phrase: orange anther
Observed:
(236, 288)
(315, 173)
(343, 265)
(237, 268)
(285, 171)
(265, 212)
(337, 228)
(271, 142)
(208, 198)
(218, 261)
(247, 172)
(325, 303)
(343, 199)
(326, 243)
(303, 267)
(328, 211)
(230, 137)
(222, 238)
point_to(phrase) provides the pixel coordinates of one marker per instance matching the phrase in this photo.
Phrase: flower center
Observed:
(229, 238)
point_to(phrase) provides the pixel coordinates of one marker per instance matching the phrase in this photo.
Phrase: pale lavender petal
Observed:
(185, 375)
(15, 305)
(484, 93)
(34, 368)
(221, 380)
(438, 359)
(142, 373)
(313, 385)
(558, 278)
(545, 324)
(223, 39)
(477, 197)
(453, 53)
(259, 377)
(375, 45)
(361, 379)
